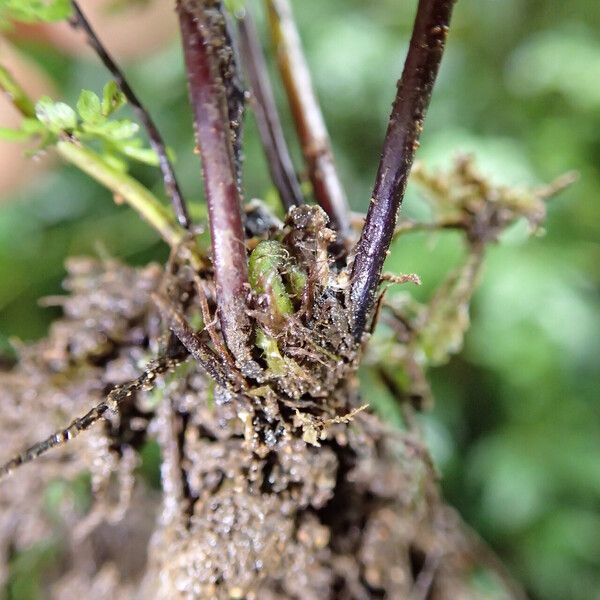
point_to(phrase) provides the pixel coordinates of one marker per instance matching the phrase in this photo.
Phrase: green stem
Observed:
(124, 186)
(16, 94)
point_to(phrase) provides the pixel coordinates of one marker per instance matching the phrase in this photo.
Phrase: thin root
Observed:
(117, 396)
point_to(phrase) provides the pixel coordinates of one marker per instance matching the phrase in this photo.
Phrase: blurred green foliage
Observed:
(32, 11)
(516, 426)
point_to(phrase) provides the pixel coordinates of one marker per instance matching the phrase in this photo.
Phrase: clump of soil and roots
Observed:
(248, 508)
(279, 484)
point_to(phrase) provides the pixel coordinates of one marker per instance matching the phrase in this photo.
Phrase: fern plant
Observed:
(240, 359)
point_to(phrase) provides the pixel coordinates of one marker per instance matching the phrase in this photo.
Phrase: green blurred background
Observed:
(516, 426)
